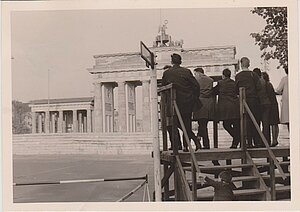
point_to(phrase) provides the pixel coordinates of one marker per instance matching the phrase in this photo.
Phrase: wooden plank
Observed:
(164, 88)
(262, 152)
(208, 195)
(185, 185)
(165, 180)
(247, 192)
(222, 167)
(270, 152)
(272, 180)
(163, 121)
(214, 154)
(224, 154)
(165, 184)
(191, 150)
(256, 173)
(281, 163)
(194, 182)
(244, 178)
(215, 124)
(267, 176)
(283, 188)
(242, 94)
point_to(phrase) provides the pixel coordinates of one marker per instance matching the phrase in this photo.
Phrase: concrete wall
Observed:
(82, 144)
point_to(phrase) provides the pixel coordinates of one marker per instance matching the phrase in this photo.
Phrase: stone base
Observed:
(107, 143)
(104, 144)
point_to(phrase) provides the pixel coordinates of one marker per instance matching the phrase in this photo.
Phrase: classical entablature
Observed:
(114, 110)
(62, 115)
(131, 66)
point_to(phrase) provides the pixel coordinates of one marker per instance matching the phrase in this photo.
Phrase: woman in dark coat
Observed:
(274, 111)
(228, 107)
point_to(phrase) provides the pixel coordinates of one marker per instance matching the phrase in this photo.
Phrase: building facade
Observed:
(116, 78)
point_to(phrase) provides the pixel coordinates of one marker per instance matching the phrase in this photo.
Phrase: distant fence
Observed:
(144, 183)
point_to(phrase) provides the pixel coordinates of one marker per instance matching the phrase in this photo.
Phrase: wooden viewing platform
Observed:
(259, 174)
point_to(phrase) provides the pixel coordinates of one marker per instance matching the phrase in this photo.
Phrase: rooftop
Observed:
(63, 100)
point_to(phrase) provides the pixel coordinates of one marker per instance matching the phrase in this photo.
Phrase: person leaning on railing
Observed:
(283, 89)
(206, 113)
(265, 106)
(228, 107)
(274, 111)
(187, 92)
(250, 81)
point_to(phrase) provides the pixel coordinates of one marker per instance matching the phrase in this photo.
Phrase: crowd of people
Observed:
(196, 94)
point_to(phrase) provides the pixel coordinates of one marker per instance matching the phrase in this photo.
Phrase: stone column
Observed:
(47, 122)
(40, 130)
(75, 121)
(65, 124)
(80, 122)
(53, 122)
(98, 116)
(60, 122)
(89, 122)
(84, 124)
(122, 107)
(33, 122)
(146, 106)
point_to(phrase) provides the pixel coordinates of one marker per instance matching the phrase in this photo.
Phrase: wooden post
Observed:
(194, 182)
(176, 179)
(163, 120)
(156, 146)
(215, 125)
(272, 179)
(174, 121)
(243, 124)
(164, 135)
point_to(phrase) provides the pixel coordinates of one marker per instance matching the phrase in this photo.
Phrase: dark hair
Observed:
(176, 59)
(245, 62)
(265, 76)
(257, 71)
(226, 72)
(199, 70)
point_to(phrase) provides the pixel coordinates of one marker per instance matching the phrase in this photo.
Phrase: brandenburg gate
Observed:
(116, 78)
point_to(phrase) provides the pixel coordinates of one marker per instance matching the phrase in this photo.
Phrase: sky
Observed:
(63, 43)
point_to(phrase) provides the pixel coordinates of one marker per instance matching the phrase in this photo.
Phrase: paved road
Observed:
(43, 168)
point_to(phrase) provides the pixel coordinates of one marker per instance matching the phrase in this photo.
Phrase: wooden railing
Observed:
(244, 110)
(169, 112)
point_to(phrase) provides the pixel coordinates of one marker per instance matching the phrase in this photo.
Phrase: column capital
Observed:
(121, 82)
(145, 81)
(97, 83)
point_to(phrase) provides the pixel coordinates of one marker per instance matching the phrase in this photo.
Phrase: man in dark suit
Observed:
(187, 92)
(250, 81)
(206, 113)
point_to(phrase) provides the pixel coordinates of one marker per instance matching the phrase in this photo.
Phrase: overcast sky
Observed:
(64, 42)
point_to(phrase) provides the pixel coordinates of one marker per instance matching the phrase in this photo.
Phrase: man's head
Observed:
(226, 73)
(176, 59)
(199, 70)
(225, 176)
(257, 71)
(245, 62)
